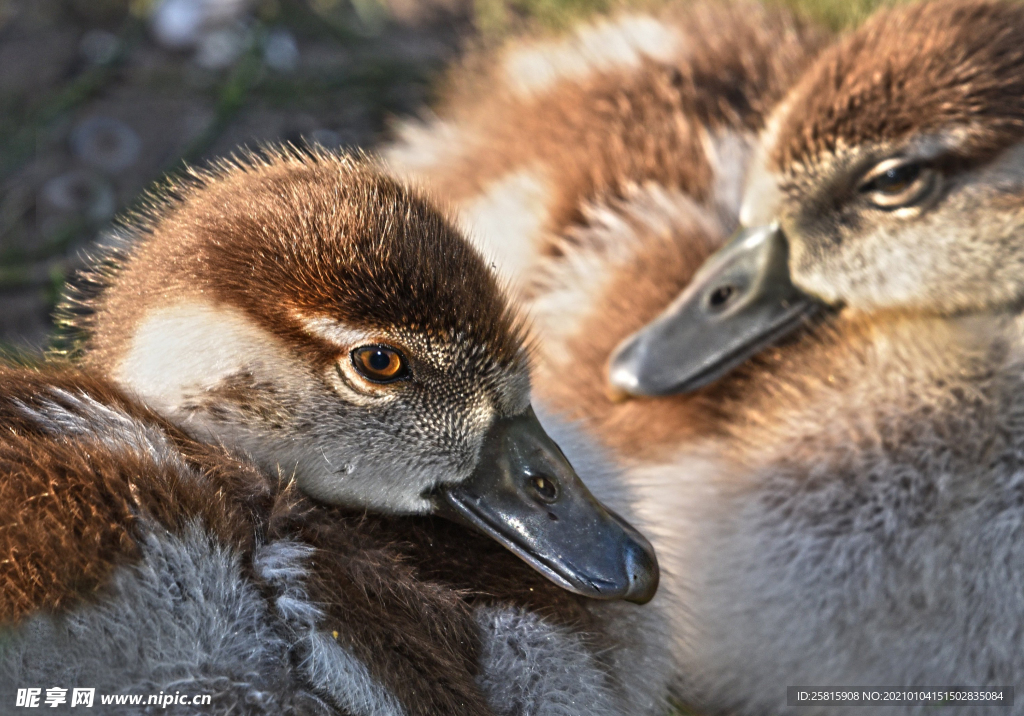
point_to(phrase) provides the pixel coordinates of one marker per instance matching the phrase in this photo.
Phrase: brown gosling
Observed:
(255, 231)
(845, 507)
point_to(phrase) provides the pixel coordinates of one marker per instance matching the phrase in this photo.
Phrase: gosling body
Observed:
(854, 488)
(235, 356)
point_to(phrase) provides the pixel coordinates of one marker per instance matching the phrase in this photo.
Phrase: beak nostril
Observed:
(721, 296)
(544, 488)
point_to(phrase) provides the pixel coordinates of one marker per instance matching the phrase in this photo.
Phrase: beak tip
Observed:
(587, 549)
(631, 373)
(622, 382)
(626, 382)
(643, 572)
(623, 371)
(706, 332)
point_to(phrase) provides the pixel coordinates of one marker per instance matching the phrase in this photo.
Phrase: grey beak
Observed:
(525, 494)
(741, 301)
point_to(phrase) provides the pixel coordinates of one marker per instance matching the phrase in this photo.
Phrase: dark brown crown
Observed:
(918, 69)
(286, 235)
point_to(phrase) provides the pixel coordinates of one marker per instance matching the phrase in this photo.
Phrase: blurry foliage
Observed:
(497, 17)
(98, 11)
(837, 14)
(363, 73)
(500, 17)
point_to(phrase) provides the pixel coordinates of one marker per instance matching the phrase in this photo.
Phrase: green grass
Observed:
(837, 15)
(497, 17)
(500, 17)
(679, 709)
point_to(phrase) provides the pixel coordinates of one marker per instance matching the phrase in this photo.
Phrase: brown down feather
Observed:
(399, 592)
(593, 138)
(913, 70)
(232, 230)
(70, 508)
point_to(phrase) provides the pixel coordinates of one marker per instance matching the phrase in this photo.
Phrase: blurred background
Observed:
(100, 98)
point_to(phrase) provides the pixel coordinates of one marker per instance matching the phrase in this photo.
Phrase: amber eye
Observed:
(898, 183)
(381, 364)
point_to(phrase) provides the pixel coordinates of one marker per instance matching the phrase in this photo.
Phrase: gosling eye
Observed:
(898, 183)
(380, 363)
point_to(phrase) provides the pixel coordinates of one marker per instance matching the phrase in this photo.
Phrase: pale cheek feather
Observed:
(422, 147)
(601, 47)
(507, 219)
(728, 152)
(761, 197)
(597, 251)
(189, 347)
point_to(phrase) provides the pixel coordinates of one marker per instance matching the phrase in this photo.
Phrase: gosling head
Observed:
(317, 315)
(891, 177)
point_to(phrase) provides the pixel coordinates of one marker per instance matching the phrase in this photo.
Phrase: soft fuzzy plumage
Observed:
(671, 98)
(845, 508)
(934, 88)
(835, 511)
(78, 457)
(617, 171)
(233, 305)
(127, 552)
(913, 71)
(182, 618)
(269, 268)
(223, 581)
(283, 235)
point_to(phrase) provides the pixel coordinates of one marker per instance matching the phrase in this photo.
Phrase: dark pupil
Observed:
(379, 360)
(897, 178)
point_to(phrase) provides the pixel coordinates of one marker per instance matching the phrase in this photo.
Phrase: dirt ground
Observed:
(94, 108)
